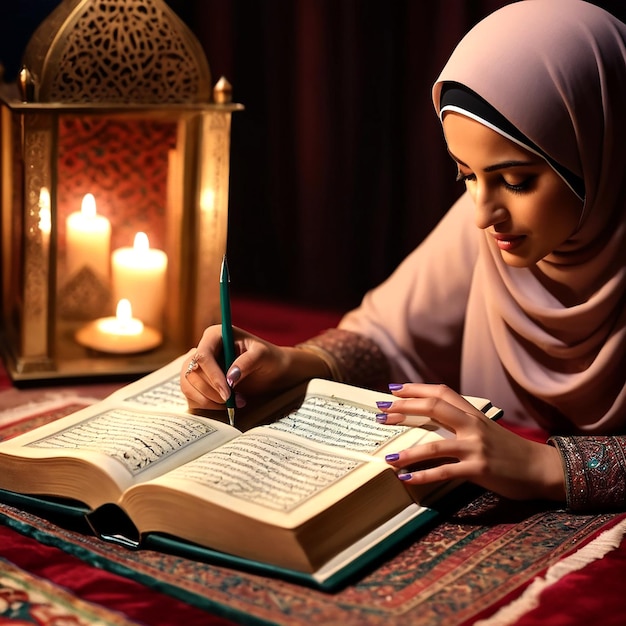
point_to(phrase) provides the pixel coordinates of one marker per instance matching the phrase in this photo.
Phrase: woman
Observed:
(518, 295)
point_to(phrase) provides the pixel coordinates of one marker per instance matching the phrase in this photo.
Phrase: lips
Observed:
(508, 242)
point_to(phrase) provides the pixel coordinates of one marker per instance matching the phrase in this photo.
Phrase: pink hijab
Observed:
(556, 69)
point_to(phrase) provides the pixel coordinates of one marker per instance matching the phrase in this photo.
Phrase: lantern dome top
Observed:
(115, 51)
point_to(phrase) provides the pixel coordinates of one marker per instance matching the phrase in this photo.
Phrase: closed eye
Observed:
(462, 178)
(524, 186)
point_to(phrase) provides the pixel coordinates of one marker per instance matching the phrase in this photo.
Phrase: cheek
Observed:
(570, 212)
(560, 210)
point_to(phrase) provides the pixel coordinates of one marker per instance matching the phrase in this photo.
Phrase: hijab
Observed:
(552, 74)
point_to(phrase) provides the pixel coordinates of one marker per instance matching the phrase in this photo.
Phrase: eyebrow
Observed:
(497, 166)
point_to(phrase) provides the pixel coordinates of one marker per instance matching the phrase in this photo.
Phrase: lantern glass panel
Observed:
(161, 172)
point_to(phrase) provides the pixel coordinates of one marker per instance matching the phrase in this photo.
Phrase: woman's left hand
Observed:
(482, 452)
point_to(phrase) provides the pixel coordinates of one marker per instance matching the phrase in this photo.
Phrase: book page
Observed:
(331, 421)
(160, 389)
(136, 440)
(166, 393)
(144, 443)
(273, 473)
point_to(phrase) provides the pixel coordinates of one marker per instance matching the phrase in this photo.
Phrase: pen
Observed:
(227, 334)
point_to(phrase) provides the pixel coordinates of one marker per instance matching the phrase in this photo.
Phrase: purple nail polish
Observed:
(390, 458)
(383, 404)
(233, 376)
(381, 418)
(395, 386)
(405, 476)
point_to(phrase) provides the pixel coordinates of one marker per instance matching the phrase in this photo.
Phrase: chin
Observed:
(518, 261)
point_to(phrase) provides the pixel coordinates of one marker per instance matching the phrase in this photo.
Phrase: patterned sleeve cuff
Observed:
(350, 357)
(595, 471)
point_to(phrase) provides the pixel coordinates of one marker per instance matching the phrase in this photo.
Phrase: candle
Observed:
(139, 275)
(88, 238)
(122, 334)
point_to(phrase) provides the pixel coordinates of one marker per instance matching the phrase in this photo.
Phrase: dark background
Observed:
(338, 166)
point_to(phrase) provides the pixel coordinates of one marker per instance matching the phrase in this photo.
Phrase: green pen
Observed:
(227, 334)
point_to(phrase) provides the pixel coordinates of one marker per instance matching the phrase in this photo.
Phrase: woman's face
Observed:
(520, 200)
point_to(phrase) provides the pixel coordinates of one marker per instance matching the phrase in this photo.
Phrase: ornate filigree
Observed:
(84, 296)
(118, 51)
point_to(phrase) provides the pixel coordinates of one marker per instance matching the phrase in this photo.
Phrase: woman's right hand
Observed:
(259, 367)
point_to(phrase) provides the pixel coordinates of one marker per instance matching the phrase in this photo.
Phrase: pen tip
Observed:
(231, 416)
(224, 275)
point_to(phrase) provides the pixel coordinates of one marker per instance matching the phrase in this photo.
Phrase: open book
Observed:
(301, 485)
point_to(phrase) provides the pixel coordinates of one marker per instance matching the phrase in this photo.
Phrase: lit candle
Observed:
(139, 275)
(88, 238)
(123, 323)
(122, 334)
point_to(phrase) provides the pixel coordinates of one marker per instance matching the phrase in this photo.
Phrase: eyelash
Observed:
(521, 188)
(463, 178)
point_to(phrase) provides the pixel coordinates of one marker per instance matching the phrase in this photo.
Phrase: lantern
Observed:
(114, 164)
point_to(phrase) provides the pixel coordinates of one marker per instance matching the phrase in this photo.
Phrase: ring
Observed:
(193, 364)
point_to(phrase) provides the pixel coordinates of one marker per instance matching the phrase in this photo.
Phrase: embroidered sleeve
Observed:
(595, 471)
(350, 357)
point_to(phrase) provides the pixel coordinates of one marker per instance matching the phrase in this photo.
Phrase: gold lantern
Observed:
(114, 164)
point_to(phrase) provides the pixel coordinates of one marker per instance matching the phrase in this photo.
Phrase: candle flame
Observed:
(123, 324)
(124, 311)
(141, 243)
(88, 206)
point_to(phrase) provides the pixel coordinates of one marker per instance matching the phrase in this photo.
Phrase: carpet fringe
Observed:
(529, 600)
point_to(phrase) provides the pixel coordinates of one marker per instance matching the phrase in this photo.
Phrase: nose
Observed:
(489, 209)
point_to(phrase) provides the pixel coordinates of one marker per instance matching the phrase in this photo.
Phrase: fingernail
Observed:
(240, 401)
(381, 418)
(395, 387)
(390, 458)
(233, 376)
(405, 476)
(383, 404)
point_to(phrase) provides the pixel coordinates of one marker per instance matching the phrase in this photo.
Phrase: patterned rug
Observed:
(475, 560)
(27, 599)
(458, 570)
